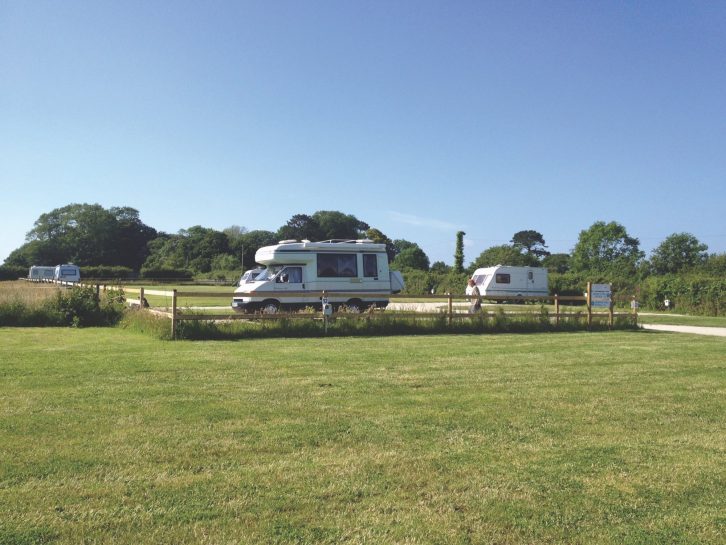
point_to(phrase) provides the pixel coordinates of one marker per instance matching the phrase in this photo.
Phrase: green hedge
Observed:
(422, 282)
(106, 272)
(13, 272)
(166, 274)
(692, 294)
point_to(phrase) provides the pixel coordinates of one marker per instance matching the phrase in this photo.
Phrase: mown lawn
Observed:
(108, 436)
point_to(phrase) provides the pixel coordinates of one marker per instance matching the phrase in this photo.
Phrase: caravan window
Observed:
(337, 265)
(479, 279)
(503, 278)
(370, 265)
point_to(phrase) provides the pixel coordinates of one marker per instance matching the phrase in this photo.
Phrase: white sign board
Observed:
(601, 295)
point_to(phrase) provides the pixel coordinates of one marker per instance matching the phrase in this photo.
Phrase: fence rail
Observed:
(177, 313)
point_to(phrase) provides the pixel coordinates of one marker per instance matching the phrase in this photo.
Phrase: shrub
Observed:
(80, 307)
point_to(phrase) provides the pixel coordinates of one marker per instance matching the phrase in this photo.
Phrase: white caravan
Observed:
(509, 281)
(351, 268)
(67, 273)
(39, 272)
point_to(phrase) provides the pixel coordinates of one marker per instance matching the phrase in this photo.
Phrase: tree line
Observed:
(90, 235)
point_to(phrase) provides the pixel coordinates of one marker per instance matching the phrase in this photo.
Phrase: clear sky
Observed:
(420, 118)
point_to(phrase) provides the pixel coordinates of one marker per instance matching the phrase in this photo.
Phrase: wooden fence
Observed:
(177, 313)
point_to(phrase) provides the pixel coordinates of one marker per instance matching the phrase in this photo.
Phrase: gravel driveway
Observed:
(698, 330)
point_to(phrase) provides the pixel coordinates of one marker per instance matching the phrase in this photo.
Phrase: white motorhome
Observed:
(510, 281)
(40, 272)
(351, 268)
(67, 273)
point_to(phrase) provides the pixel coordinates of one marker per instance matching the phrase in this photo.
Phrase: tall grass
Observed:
(386, 325)
(32, 305)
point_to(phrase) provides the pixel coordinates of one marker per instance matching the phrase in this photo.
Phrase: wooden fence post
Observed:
(141, 297)
(557, 309)
(589, 304)
(173, 314)
(451, 308)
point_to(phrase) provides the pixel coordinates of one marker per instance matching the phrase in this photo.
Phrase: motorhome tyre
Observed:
(355, 306)
(270, 306)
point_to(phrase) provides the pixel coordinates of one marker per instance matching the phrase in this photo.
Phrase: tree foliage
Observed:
(677, 253)
(503, 255)
(86, 234)
(530, 242)
(194, 248)
(559, 263)
(606, 249)
(322, 225)
(378, 237)
(459, 252)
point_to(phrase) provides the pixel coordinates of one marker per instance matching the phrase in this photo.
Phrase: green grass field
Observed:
(107, 436)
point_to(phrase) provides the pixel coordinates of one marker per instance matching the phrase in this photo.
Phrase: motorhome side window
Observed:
(370, 265)
(503, 278)
(337, 265)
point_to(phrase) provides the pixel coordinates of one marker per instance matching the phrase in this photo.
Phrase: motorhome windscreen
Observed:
(337, 265)
(503, 278)
(269, 272)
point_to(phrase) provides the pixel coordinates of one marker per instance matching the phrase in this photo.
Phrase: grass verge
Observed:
(112, 437)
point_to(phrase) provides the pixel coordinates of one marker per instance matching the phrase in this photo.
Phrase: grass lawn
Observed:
(107, 436)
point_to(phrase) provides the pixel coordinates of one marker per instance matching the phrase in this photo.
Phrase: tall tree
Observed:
(253, 241)
(378, 237)
(337, 225)
(87, 234)
(606, 249)
(678, 252)
(459, 253)
(530, 242)
(412, 257)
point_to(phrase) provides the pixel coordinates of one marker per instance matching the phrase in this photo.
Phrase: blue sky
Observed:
(420, 118)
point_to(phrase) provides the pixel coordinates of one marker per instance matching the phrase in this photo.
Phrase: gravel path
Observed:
(698, 330)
